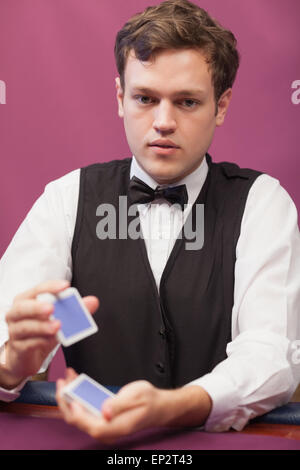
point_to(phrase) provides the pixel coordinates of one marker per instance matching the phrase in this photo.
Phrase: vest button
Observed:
(162, 332)
(160, 367)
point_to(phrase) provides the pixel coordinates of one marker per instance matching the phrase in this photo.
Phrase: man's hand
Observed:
(138, 405)
(32, 334)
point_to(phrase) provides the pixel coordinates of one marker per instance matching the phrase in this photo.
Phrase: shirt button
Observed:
(160, 367)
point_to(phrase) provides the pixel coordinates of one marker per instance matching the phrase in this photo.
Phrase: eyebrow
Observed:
(148, 91)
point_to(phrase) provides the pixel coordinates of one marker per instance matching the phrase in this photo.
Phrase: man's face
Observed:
(169, 112)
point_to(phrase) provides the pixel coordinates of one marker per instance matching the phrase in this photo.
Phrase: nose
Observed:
(164, 119)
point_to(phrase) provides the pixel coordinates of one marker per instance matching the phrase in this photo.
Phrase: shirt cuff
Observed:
(12, 395)
(225, 413)
(9, 395)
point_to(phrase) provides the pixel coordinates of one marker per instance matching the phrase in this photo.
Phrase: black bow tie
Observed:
(141, 193)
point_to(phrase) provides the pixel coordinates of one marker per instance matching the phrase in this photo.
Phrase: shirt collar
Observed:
(194, 181)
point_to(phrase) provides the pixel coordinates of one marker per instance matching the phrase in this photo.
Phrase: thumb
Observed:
(129, 397)
(92, 303)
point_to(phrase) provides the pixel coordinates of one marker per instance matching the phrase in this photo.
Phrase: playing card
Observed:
(76, 321)
(87, 392)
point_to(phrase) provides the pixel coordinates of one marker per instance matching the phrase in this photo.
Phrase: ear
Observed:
(120, 97)
(223, 105)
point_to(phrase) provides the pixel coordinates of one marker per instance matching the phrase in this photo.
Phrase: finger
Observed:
(60, 384)
(109, 431)
(129, 397)
(85, 421)
(53, 287)
(73, 412)
(126, 423)
(29, 308)
(92, 303)
(30, 346)
(64, 406)
(33, 328)
(112, 410)
(70, 374)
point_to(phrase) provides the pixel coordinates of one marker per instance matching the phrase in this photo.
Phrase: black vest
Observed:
(179, 334)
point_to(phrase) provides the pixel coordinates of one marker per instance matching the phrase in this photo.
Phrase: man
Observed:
(193, 336)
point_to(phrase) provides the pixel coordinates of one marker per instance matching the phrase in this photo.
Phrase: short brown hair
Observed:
(179, 24)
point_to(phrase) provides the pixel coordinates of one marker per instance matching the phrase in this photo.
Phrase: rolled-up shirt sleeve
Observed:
(260, 371)
(39, 251)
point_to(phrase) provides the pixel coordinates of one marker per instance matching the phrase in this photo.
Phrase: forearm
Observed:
(187, 406)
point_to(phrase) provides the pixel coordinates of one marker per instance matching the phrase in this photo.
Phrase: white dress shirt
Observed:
(259, 372)
(161, 222)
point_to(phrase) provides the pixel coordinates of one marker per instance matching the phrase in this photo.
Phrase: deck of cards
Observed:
(87, 392)
(76, 321)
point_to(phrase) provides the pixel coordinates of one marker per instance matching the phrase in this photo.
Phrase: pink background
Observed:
(56, 58)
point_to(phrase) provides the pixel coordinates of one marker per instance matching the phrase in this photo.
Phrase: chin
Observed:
(162, 170)
(165, 177)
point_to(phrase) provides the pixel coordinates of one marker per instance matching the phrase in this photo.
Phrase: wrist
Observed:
(187, 406)
(8, 380)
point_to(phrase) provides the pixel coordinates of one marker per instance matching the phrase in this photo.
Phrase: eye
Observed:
(143, 99)
(189, 103)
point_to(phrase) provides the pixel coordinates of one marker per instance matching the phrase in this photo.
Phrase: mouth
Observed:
(163, 144)
(164, 147)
